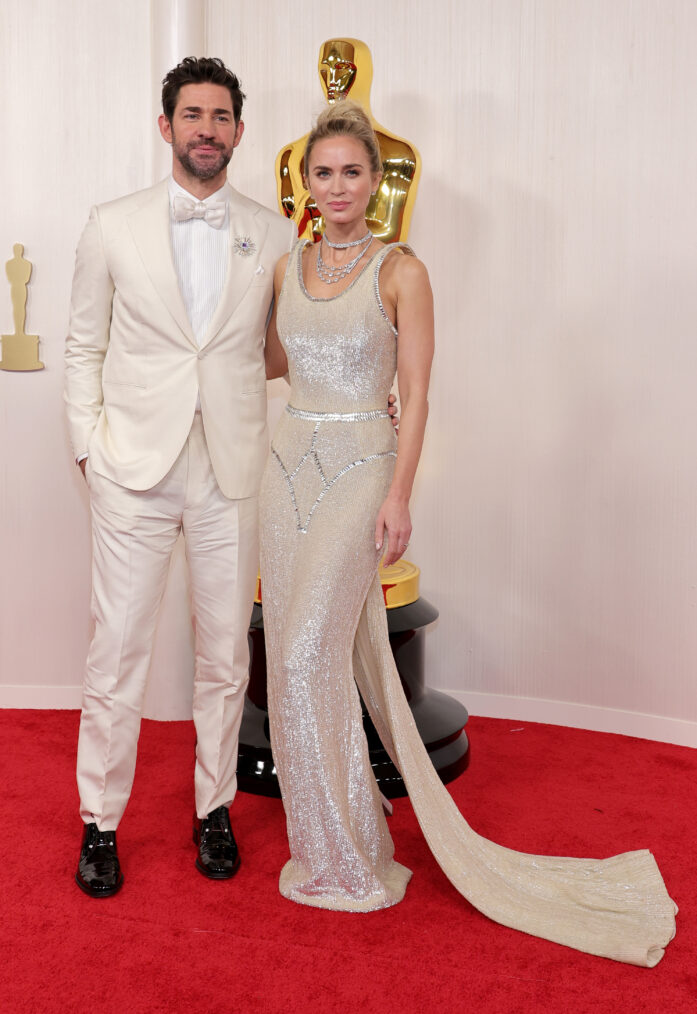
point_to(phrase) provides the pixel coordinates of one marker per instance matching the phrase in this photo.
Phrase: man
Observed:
(166, 404)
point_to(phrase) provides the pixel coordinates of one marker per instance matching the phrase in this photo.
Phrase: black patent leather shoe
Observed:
(98, 871)
(218, 855)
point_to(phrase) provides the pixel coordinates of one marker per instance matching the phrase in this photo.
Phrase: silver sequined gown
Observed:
(326, 632)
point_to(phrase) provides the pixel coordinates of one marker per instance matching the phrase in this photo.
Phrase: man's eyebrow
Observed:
(199, 109)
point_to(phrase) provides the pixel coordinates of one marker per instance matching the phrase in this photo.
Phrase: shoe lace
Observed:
(95, 838)
(218, 820)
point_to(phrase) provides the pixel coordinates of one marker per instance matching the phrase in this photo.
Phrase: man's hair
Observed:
(200, 70)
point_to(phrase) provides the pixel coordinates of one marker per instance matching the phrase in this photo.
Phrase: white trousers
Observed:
(133, 536)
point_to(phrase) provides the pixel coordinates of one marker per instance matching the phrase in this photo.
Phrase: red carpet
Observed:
(173, 941)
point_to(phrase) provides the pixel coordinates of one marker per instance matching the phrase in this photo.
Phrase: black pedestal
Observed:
(440, 719)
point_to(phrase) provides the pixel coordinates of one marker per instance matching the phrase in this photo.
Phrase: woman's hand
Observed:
(394, 523)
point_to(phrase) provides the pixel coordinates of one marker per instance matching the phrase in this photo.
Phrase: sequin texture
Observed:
(326, 637)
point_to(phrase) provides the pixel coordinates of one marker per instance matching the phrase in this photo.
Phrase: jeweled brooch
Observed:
(244, 246)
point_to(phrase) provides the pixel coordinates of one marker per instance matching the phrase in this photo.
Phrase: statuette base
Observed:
(20, 353)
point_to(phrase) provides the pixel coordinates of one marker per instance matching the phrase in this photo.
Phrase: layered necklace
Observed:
(331, 274)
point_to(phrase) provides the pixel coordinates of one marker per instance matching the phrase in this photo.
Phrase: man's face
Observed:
(202, 132)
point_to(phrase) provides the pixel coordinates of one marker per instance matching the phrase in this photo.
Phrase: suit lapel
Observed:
(246, 232)
(149, 227)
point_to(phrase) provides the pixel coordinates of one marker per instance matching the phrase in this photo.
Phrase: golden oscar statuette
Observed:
(346, 70)
(20, 351)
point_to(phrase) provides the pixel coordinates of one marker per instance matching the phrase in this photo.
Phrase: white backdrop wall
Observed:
(556, 504)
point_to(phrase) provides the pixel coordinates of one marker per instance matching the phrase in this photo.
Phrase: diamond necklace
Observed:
(330, 274)
(345, 246)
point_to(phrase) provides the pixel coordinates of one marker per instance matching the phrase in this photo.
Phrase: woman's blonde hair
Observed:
(345, 119)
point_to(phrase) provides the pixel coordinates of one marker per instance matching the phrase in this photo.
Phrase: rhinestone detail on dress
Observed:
(376, 413)
(326, 483)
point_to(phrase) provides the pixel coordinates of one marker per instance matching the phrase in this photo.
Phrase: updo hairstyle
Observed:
(344, 119)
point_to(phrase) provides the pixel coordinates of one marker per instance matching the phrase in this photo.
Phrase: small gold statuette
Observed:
(20, 351)
(346, 70)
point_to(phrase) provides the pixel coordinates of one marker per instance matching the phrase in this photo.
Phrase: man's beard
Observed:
(201, 172)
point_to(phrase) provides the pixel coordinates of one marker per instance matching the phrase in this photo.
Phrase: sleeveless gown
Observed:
(329, 470)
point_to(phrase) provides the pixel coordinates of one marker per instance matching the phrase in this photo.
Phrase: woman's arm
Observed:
(274, 356)
(408, 293)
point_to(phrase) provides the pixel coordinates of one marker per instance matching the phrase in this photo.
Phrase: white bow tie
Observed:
(183, 208)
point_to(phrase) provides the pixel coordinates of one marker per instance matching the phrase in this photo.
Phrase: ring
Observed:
(404, 545)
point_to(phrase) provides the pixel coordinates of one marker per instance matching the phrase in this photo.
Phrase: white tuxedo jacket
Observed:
(133, 368)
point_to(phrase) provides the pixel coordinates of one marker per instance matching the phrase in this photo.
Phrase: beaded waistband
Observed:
(377, 413)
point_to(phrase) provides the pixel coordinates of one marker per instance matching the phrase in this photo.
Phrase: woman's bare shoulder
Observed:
(403, 268)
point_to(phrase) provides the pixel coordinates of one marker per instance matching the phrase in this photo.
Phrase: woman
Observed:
(335, 496)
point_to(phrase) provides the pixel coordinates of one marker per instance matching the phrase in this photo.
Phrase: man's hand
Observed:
(82, 465)
(392, 409)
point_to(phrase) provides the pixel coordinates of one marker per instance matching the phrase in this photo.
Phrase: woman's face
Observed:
(340, 179)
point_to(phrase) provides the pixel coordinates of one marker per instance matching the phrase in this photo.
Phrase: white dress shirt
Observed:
(200, 255)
